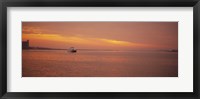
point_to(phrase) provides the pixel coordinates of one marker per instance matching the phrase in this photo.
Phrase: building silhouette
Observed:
(25, 44)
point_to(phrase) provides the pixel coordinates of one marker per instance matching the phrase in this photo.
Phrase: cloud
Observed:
(87, 41)
(31, 30)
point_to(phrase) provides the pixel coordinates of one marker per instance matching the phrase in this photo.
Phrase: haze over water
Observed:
(133, 49)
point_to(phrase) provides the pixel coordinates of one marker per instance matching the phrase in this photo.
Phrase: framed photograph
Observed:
(129, 49)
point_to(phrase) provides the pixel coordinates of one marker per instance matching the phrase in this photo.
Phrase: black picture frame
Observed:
(98, 3)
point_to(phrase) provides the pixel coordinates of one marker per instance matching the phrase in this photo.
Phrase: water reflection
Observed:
(60, 63)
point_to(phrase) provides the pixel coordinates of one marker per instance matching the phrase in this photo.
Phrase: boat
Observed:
(72, 50)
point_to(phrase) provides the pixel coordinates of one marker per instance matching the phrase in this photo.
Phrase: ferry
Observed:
(72, 50)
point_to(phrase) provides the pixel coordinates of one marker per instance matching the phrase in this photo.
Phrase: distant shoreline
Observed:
(42, 48)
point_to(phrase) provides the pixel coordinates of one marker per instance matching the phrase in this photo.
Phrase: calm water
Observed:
(60, 63)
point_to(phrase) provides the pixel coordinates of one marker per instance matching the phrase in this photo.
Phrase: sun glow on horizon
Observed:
(97, 35)
(80, 40)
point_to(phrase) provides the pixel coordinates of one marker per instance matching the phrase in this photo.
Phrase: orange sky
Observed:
(102, 35)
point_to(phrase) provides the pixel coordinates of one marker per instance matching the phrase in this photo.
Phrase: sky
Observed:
(102, 35)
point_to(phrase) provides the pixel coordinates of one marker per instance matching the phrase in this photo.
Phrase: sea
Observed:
(99, 63)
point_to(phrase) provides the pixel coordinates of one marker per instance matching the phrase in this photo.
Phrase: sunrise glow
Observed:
(103, 35)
